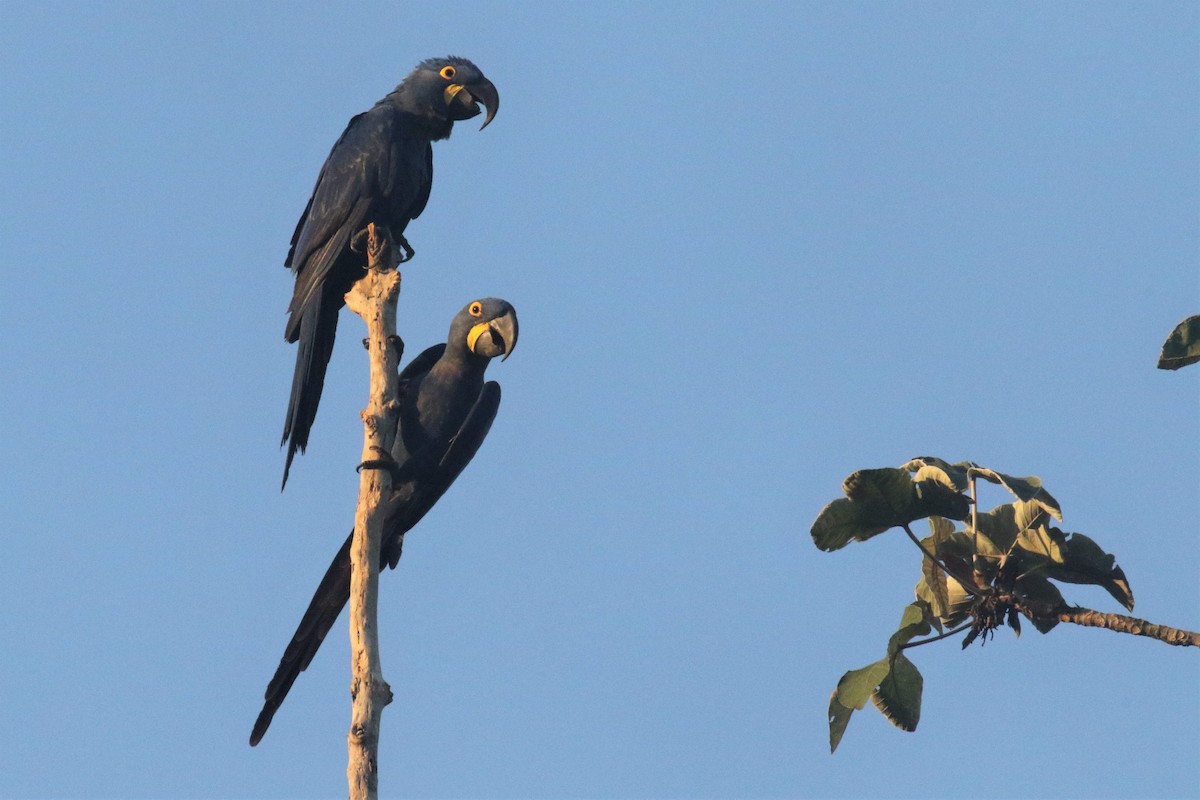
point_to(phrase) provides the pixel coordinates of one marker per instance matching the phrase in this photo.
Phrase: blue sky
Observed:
(753, 247)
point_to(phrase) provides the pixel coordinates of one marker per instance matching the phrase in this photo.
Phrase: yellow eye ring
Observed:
(475, 309)
(448, 72)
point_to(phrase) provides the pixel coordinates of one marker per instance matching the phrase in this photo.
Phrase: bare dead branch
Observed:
(374, 299)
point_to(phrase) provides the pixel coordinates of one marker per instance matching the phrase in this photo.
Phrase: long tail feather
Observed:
(317, 330)
(323, 611)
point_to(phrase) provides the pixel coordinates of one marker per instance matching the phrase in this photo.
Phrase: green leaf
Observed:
(1041, 541)
(879, 499)
(958, 545)
(935, 498)
(948, 602)
(888, 487)
(913, 623)
(997, 531)
(958, 605)
(1085, 561)
(876, 499)
(924, 595)
(851, 695)
(1029, 489)
(844, 521)
(1182, 347)
(1029, 515)
(899, 694)
(857, 685)
(839, 718)
(935, 578)
(1013, 525)
(940, 529)
(1036, 587)
(953, 475)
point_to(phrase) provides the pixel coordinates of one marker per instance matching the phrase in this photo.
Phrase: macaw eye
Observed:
(475, 309)
(448, 72)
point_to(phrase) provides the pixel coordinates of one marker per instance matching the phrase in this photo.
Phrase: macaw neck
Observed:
(458, 371)
(429, 119)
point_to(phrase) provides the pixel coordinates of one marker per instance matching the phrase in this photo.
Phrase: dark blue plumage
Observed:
(379, 171)
(445, 411)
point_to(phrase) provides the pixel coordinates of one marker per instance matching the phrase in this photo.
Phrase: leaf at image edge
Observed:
(1182, 347)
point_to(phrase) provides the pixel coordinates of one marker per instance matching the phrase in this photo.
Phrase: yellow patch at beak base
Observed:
(476, 331)
(451, 92)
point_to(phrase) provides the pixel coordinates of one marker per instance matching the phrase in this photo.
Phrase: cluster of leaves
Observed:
(998, 567)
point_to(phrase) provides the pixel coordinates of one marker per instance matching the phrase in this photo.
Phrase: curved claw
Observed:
(386, 462)
(407, 253)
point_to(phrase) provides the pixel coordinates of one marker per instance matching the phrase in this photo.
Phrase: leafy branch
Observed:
(998, 567)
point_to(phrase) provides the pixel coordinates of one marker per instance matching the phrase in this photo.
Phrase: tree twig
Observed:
(939, 637)
(976, 565)
(967, 587)
(374, 299)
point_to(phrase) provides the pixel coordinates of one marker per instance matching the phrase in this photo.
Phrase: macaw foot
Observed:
(407, 251)
(361, 242)
(358, 242)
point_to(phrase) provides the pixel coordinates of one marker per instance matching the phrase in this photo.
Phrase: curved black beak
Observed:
(461, 99)
(507, 329)
(490, 339)
(486, 93)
